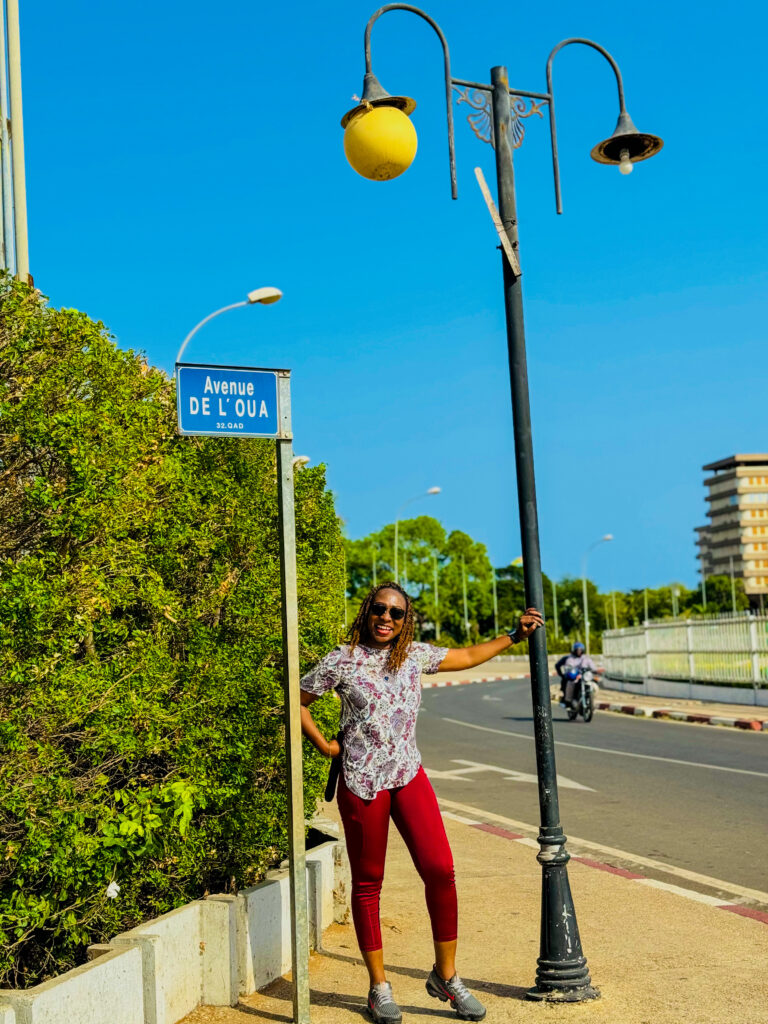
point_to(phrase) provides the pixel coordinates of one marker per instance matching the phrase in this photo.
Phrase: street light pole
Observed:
(417, 497)
(381, 149)
(554, 608)
(733, 587)
(437, 604)
(495, 603)
(561, 968)
(585, 602)
(464, 593)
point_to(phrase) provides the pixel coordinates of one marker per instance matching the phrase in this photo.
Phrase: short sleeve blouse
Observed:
(378, 711)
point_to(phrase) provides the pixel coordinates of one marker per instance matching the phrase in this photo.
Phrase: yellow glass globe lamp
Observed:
(379, 138)
(380, 143)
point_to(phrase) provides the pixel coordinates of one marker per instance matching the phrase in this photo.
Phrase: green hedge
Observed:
(141, 728)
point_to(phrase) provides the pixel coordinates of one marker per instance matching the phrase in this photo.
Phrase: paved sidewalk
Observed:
(659, 956)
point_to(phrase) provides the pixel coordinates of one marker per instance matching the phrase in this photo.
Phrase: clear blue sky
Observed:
(182, 153)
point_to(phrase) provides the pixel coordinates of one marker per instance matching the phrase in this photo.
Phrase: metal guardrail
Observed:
(724, 650)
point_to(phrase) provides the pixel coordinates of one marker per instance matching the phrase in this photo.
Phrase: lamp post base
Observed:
(562, 974)
(563, 982)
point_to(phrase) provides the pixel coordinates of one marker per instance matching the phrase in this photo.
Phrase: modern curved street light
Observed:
(380, 143)
(584, 557)
(417, 497)
(300, 461)
(264, 296)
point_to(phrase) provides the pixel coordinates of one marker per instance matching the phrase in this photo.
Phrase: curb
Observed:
(633, 876)
(750, 724)
(465, 682)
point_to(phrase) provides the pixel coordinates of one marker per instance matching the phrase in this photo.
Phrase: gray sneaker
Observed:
(462, 1000)
(381, 1006)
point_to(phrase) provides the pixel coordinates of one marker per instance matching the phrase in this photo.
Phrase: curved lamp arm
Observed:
(447, 63)
(552, 127)
(193, 332)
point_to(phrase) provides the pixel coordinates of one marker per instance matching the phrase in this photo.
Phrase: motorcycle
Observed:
(583, 702)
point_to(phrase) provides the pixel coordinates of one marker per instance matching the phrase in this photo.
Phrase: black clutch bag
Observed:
(333, 774)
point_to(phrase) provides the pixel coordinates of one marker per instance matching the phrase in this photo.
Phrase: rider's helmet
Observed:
(578, 648)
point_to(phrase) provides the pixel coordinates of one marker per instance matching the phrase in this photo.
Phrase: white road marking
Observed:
(514, 776)
(631, 858)
(607, 750)
(486, 697)
(458, 817)
(690, 894)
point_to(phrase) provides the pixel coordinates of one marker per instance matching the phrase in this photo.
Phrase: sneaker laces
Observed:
(458, 986)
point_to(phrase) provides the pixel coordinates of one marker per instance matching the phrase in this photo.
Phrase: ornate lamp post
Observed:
(380, 143)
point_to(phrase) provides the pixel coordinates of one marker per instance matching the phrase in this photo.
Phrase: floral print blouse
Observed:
(378, 711)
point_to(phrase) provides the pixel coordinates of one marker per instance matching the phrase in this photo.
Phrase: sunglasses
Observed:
(397, 613)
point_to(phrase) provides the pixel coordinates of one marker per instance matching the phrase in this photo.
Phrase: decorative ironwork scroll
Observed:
(481, 122)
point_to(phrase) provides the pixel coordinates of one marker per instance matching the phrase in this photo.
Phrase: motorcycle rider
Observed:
(578, 659)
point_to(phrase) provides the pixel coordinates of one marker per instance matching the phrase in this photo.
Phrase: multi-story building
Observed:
(736, 538)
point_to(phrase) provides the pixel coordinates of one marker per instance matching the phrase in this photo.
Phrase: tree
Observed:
(141, 719)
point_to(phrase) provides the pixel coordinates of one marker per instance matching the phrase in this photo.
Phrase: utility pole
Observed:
(495, 603)
(645, 602)
(17, 143)
(437, 601)
(554, 608)
(615, 620)
(733, 587)
(464, 592)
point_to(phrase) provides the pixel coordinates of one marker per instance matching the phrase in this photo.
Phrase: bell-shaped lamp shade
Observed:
(627, 145)
(379, 138)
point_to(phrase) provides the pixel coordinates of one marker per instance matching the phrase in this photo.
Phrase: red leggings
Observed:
(414, 810)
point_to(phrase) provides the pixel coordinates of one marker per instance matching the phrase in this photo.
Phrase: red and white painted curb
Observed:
(753, 724)
(691, 894)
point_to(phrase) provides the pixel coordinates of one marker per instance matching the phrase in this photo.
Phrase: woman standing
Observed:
(377, 676)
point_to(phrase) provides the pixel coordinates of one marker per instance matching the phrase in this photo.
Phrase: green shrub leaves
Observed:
(141, 729)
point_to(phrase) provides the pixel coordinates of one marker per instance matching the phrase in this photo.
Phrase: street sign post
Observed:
(242, 401)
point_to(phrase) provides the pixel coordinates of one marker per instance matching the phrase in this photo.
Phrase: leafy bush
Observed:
(141, 717)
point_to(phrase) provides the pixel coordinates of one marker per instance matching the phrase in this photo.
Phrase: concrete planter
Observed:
(209, 952)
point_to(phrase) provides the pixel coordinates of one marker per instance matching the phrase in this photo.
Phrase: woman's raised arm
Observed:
(469, 657)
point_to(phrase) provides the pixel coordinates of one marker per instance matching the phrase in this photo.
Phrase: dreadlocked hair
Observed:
(358, 631)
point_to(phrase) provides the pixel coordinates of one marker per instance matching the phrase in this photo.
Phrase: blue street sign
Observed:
(227, 400)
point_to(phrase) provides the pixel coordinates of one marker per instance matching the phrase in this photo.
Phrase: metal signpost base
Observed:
(216, 401)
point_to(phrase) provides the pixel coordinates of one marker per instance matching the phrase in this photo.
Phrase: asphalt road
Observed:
(694, 797)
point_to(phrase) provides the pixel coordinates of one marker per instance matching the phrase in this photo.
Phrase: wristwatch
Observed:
(514, 635)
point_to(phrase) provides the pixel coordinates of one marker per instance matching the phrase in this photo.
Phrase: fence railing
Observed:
(724, 650)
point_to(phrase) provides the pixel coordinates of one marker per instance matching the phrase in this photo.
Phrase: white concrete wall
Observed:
(107, 989)
(206, 953)
(692, 691)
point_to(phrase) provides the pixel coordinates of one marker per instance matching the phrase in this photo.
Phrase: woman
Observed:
(377, 676)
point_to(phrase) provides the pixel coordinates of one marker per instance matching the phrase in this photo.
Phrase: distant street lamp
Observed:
(264, 296)
(554, 606)
(417, 497)
(437, 601)
(380, 143)
(464, 594)
(733, 586)
(584, 557)
(495, 603)
(299, 461)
